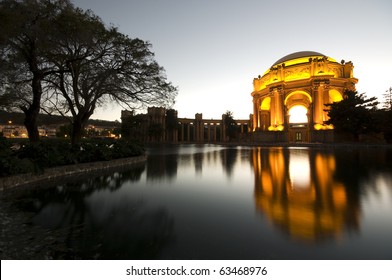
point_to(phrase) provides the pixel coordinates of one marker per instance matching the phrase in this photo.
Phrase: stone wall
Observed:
(67, 171)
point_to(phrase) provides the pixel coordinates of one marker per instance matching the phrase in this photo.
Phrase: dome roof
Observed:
(297, 55)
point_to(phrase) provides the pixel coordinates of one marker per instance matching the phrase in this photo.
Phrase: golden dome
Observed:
(300, 57)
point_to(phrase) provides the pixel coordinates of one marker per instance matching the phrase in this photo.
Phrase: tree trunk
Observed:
(30, 122)
(31, 113)
(77, 132)
(78, 125)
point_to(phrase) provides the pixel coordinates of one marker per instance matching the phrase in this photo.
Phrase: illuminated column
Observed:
(214, 132)
(273, 109)
(317, 108)
(277, 109)
(325, 101)
(256, 123)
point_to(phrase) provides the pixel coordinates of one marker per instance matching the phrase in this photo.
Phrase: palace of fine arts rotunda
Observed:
(289, 98)
(288, 106)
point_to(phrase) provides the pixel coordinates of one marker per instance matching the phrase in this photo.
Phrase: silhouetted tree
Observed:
(171, 123)
(230, 125)
(387, 103)
(100, 64)
(25, 42)
(354, 114)
(70, 55)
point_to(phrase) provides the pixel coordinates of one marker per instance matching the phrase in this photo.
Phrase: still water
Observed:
(216, 202)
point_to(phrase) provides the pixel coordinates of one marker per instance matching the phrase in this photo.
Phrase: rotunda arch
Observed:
(298, 114)
(265, 104)
(297, 97)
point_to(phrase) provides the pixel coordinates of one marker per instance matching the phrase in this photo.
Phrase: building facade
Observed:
(162, 125)
(288, 100)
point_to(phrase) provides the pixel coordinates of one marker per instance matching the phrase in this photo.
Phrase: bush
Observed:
(35, 157)
(10, 163)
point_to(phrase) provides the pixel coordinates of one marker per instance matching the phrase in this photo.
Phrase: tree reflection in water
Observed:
(82, 229)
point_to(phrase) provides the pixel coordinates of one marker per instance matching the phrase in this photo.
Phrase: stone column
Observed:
(256, 123)
(279, 107)
(182, 132)
(223, 129)
(318, 105)
(209, 132)
(189, 132)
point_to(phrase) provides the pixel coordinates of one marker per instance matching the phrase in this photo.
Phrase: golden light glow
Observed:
(297, 92)
(302, 199)
(265, 105)
(298, 114)
(335, 96)
(299, 169)
(319, 126)
(310, 81)
(276, 127)
(299, 61)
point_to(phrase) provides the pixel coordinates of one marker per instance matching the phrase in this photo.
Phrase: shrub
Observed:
(35, 157)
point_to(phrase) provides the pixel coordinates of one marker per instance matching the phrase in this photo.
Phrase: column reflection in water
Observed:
(296, 190)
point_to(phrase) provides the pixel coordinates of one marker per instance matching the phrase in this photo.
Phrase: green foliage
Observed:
(230, 125)
(387, 103)
(384, 119)
(10, 163)
(355, 114)
(36, 157)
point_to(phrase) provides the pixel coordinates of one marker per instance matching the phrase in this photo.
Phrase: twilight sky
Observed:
(212, 49)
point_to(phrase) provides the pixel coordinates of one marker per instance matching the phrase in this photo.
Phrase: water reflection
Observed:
(87, 222)
(198, 202)
(297, 191)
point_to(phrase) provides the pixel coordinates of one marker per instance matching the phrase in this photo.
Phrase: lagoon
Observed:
(219, 202)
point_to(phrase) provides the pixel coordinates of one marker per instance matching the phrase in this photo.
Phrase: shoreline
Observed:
(61, 172)
(279, 144)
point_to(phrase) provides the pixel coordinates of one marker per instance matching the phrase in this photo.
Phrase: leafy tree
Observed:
(98, 65)
(68, 56)
(388, 99)
(230, 125)
(25, 42)
(354, 114)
